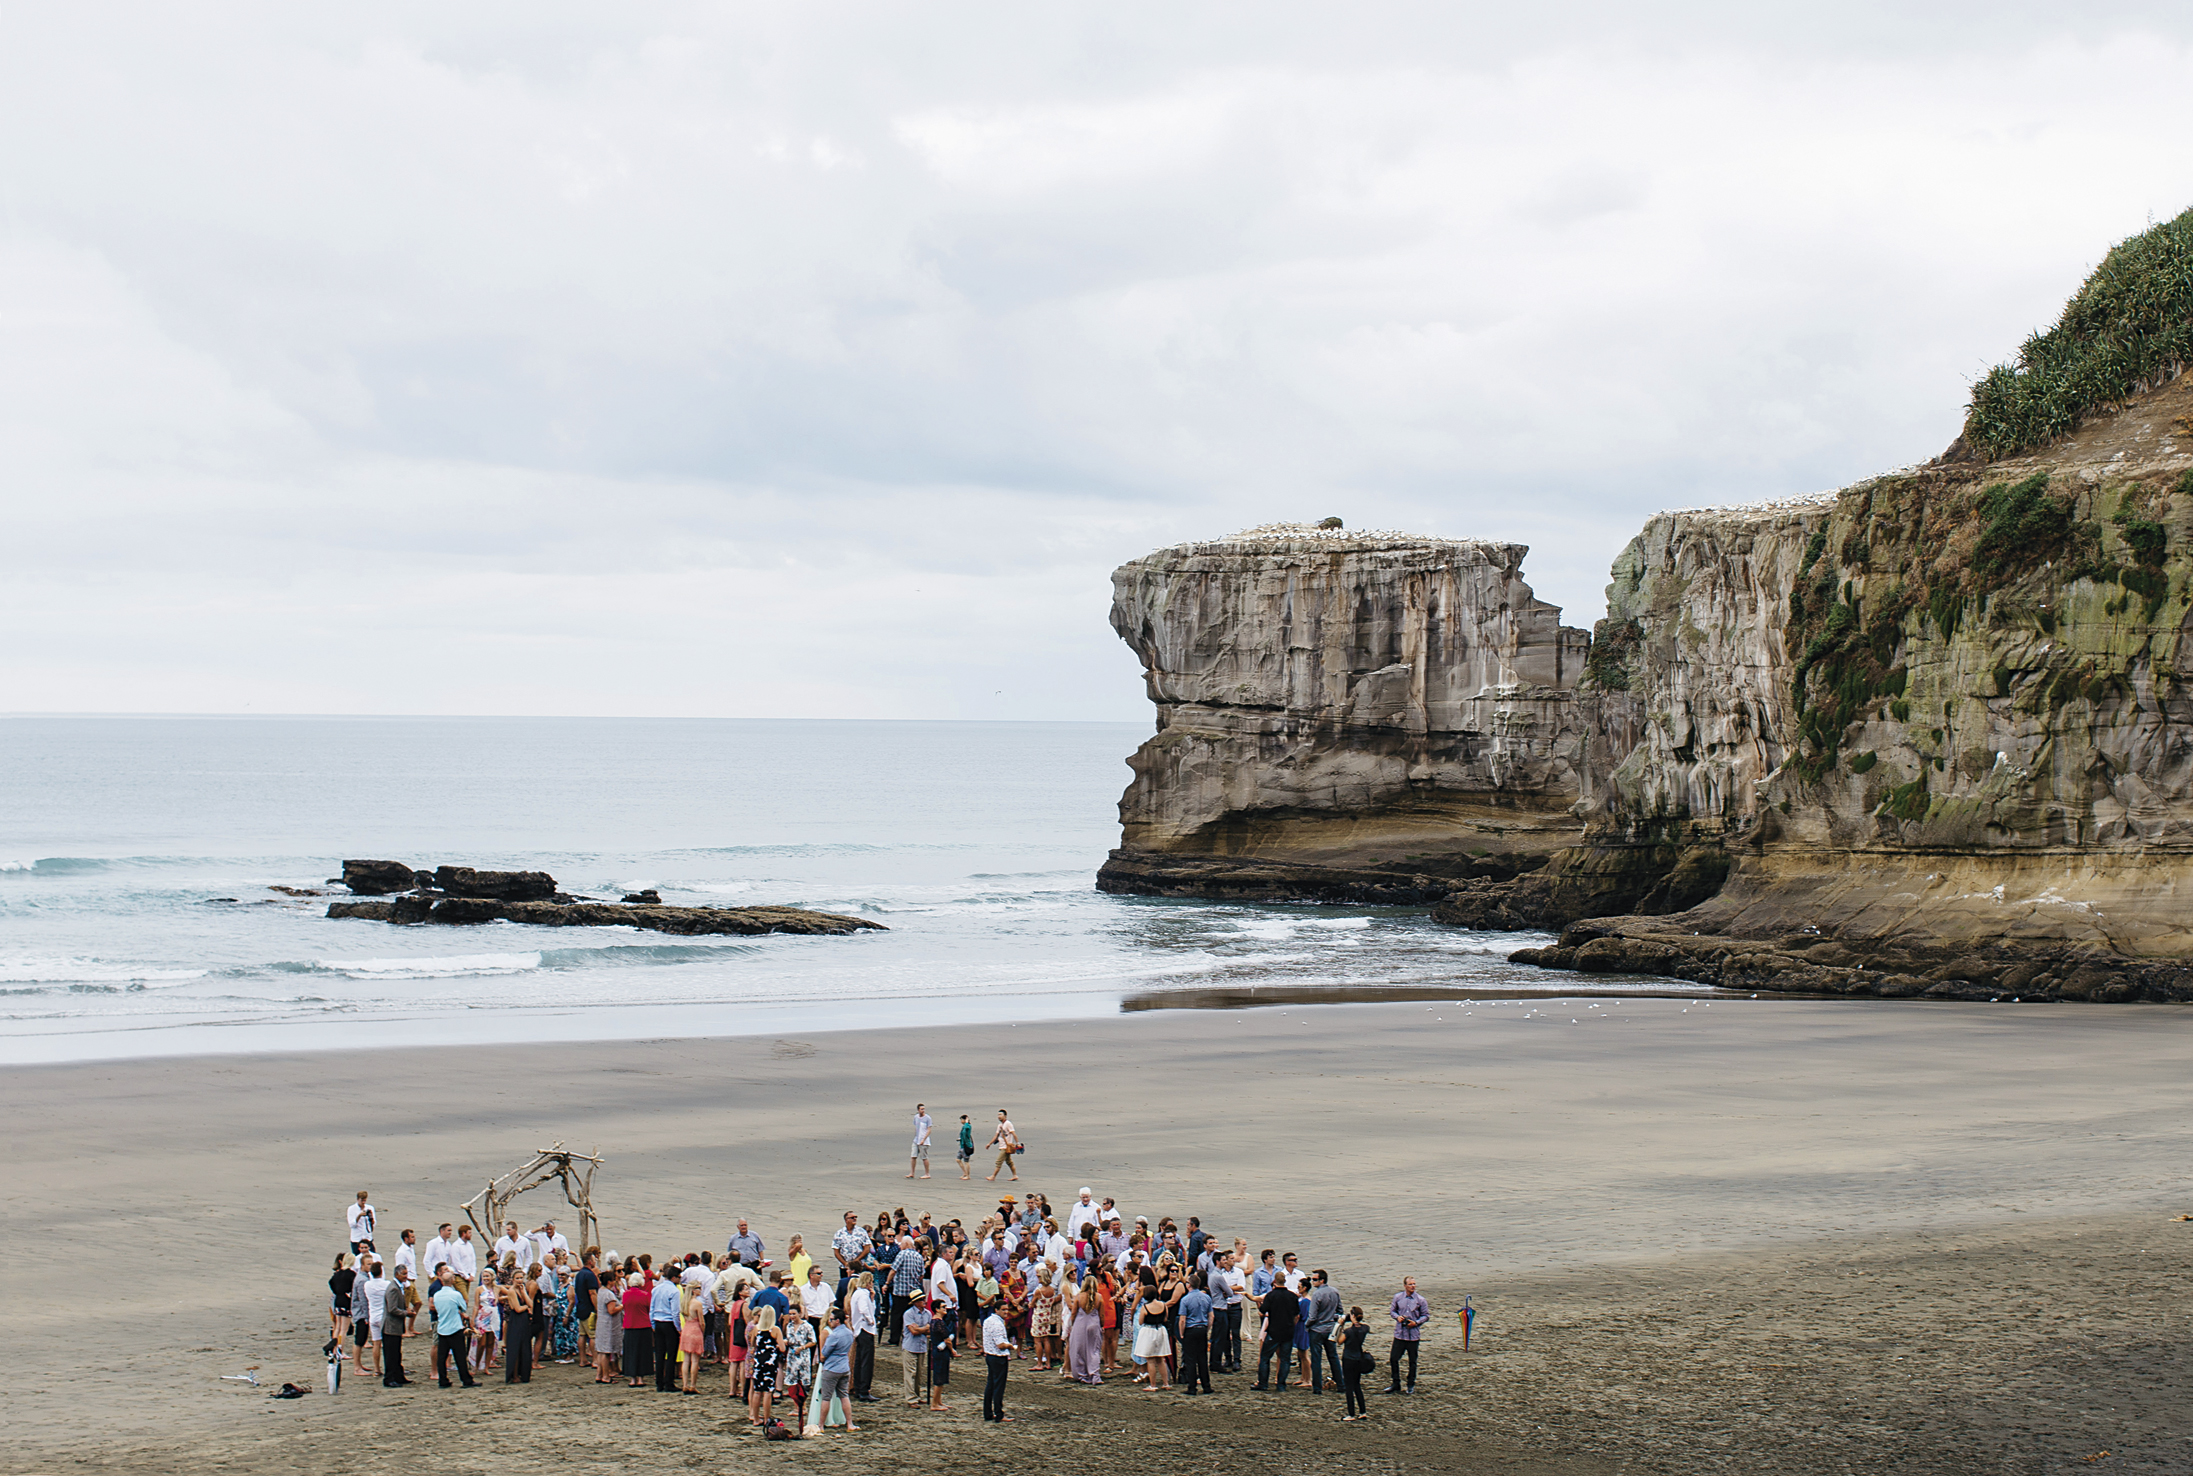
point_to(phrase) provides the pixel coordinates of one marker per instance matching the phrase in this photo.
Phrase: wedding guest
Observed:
(518, 1307)
(395, 1318)
(765, 1350)
(1281, 1308)
(639, 1336)
(608, 1327)
(860, 1321)
(1355, 1362)
(1409, 1312)
(662, 1316)
(914, 1350)
(1321, 1315)
(448, 1308)
(997, 1354)
(358, 1222)
(832, 1405)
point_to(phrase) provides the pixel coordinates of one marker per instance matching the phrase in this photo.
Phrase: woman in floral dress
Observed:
(1043, 1319)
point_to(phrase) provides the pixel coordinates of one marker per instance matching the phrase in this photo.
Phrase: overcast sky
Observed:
(823, 360)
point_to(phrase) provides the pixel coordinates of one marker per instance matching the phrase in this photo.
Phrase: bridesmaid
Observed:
(518, 1306)
(1085, 1339)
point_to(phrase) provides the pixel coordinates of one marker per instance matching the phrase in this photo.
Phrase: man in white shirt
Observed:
(464, 1259)
(816, 1298)
(920, 1152)
(376, 1286)
(1082, 1212)
(514, 1244)
(1007, 1142)
(1237, 1294)
(997, 1352)
(547, 1242)
(407, 1256)
(358, 1222)
(1055, 1245)
(436, 1255)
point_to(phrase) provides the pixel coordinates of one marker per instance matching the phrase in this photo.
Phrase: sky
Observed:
(822, 360)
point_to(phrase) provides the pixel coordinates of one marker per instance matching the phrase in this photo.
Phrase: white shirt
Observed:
(861, 1311)
(375, 1290)
(1079, 1215)
(437, 1254)
(1006, 1133)
(1237, 1285)
(523, 1248)
(548, 1244)
(816, 1299)
(1296, 1280)
(934, 1281)
(406, 1257)
(994, 1340)
(921, 1128)
(734, 1281)
(463, 1259)
(1055, 1249)
(696, 1275)
(357, 1213)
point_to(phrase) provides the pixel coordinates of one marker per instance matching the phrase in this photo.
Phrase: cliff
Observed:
(1932, 734)
(1974, 766)
(1345, 716)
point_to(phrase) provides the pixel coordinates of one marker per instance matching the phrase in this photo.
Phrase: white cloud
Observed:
(824, 359)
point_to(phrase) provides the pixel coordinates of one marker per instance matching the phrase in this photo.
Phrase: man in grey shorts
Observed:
(920, 1154)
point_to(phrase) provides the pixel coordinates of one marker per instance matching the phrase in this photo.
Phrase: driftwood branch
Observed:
(489, 1210)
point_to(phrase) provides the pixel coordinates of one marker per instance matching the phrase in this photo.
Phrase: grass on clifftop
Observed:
(2128, 328)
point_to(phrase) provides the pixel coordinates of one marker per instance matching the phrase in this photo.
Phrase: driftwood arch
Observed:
(558, 1163)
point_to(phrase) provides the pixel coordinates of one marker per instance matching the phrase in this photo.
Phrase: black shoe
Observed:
(1258, 1388)
(444, 1384)
(1391, 1389)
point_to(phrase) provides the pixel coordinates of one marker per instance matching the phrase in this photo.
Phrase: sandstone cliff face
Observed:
(1345, 715)
(1958, 757)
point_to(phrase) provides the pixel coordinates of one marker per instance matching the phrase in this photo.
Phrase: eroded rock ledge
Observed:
(462, 895)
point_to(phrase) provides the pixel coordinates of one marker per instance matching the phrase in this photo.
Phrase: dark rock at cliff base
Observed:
(691, 921)
(1804, 963)
(651, 897)
(504, 886)
(378, 878)
(1235, 879)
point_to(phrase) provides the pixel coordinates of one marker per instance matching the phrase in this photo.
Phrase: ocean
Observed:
(140, 860)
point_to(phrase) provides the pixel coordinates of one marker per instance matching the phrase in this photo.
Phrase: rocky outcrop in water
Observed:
(463, 895)
(1345, 717)
(744, 921)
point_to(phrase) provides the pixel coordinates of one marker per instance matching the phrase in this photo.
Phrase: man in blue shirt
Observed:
(662, 1311)
(746, 1248)
(1195, 1341)
(449, 1331)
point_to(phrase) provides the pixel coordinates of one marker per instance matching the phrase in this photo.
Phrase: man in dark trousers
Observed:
(1195, 1341)
(1281, 1308)
(448, 1311)
(395, 1311)
(997, 1353)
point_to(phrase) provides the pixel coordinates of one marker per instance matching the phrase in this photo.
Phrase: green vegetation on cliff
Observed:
(2129, 327)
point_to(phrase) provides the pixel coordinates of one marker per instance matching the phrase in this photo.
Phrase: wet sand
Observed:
(1746, 1236)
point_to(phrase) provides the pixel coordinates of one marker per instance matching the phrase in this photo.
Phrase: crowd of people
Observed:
(1084, 1294)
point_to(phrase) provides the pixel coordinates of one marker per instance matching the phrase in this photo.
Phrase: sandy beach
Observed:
(1775, 1235)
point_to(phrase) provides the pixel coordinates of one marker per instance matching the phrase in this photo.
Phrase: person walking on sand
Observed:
(1007, 1142)
(920, 1152)
(997, 1353)
(967, 1148)
(1410, 1313)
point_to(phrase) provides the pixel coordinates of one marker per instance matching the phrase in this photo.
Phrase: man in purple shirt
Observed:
(1409, 1312)
(996, 1256)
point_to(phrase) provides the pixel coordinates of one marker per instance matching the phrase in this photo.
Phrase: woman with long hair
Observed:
(765, 1349)
(1107, 1292)
(737, 1337)
(1043, 1318)
(518, 1309)
(1355, 1361)
(338, 1308)
(796, 1374)
(1085, 1336)
(691, 1334)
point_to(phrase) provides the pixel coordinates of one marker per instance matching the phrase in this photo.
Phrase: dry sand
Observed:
(1753, 1236)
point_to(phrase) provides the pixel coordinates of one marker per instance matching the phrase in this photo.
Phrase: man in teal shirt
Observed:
(449, 1330)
